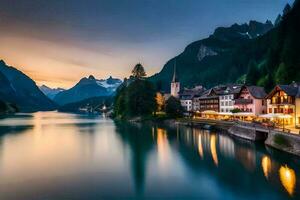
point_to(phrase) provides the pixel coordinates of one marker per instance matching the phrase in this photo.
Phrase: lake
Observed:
(51, 155)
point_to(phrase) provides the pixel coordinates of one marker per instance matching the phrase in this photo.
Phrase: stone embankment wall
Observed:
(247, 133)
(279, 140)
(286, 142)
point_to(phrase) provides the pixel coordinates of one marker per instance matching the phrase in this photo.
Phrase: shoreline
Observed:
(286, 142)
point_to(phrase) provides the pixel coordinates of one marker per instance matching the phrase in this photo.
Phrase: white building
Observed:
(226, 98)
(187, 104)
(175, 84)
(189, 98)
(226, 103)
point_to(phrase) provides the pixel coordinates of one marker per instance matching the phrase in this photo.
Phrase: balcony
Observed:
(284, 101)
(243, 101)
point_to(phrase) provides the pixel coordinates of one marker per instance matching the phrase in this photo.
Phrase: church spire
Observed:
(174, 79)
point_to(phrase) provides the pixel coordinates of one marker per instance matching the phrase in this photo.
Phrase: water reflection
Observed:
(200, 147)
(163, 148)
(288, 179)
(213, 149)
(266, 166)
(66, 156)
(140, 143)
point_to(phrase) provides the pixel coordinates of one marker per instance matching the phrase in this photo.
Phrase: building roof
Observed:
(298, 93)
(187, 94)
(209, 94)
(221, 90)
(256, 91)
(291, 90)
(228, 89)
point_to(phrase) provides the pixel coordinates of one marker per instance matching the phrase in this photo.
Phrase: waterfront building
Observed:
(209, 101)
(219, 99)
(250, 101)
(285, 100)
(227, 95)
(186, 101)
(188, 98)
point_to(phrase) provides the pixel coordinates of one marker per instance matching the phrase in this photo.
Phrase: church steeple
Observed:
(174, 79)
(175, 85)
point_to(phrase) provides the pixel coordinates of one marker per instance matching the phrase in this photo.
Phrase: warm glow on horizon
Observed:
(59, 42)
(62, 64)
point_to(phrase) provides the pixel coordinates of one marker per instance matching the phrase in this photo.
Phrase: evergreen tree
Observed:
(138, 71)
(278, 20)
(281, 76)
(173, 107)
(253, 73)
(135, 97)
(140, 98)
(286, 9)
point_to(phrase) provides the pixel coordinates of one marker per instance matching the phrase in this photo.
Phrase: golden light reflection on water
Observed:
(213, 149)
(200, 147)
(288, 179)
(163, 147)
(266, 166)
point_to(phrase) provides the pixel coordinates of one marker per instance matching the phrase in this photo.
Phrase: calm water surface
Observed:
(49, 155)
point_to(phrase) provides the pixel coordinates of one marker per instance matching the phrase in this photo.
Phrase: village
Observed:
(278, 109)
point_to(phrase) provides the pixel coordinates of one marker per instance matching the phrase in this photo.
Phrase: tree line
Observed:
(138, 97)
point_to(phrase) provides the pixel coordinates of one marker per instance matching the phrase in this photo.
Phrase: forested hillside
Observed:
(254, 53)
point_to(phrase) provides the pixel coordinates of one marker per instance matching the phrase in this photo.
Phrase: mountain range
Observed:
(50, 92)
(255, 53)
(87, 88)
(202, 62)
(18, 89)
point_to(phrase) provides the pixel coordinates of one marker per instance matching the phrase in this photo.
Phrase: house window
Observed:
(270, 110)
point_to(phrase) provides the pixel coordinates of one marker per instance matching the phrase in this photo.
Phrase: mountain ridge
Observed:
(50, 92)
(88, 87)
(203, 60)
(21, 90)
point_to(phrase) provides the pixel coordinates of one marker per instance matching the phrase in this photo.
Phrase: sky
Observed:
(57, 42)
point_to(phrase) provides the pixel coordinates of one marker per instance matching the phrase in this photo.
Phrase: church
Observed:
(175, 84)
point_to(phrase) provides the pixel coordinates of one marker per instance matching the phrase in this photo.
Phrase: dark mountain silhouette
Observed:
(220, 58)
(19, 89)
(254, 53)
